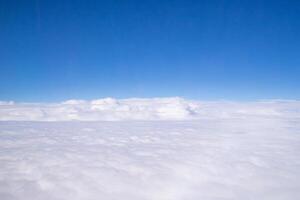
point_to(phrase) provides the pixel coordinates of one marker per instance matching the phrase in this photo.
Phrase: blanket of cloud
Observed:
(109, 109)
(211, 159)
(150, 149)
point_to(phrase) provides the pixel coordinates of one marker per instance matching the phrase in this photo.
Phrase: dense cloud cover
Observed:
(228, 159)
(156, 149)
(109, 109)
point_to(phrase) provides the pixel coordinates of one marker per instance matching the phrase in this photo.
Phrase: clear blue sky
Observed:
(223, 49)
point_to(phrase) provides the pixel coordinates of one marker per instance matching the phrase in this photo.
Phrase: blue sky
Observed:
(210, 50)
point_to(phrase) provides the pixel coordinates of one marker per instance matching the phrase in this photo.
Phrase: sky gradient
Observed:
(209, 50)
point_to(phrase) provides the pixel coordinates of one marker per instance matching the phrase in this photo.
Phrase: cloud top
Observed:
(174, 108)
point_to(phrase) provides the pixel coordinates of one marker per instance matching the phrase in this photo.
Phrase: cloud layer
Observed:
(109, 109)
(232, 159)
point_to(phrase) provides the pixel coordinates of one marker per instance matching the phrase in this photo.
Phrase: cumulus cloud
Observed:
(239, 159)
(223, 150)
(175, 108)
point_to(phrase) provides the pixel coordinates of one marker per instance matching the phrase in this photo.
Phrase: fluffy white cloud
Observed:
(237, 158)
(109, 109)
(215, 150)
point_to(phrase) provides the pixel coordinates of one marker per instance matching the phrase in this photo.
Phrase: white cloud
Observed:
(110, 109)
(238, 158)
(6, 103)
(215, 150)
